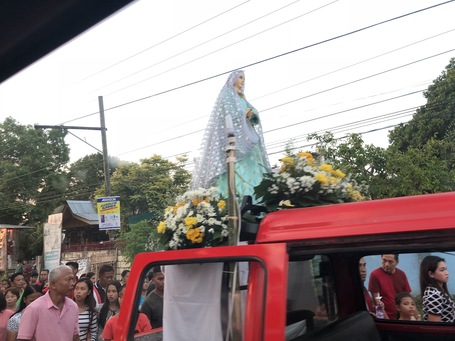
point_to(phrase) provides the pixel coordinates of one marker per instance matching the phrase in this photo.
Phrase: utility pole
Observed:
(107, 175)
(103, 139)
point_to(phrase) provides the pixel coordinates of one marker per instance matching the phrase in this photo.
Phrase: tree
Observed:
(32, 172)
(435, 119)
(391, 172)
(362, 162)
(414, 171)
(140, 237)
(87, 174)
(147, 187)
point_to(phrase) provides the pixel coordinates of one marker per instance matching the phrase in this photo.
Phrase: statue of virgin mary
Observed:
(252, 160)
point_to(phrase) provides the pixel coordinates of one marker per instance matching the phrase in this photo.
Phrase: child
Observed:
(406, 307)
(12, 296)
(4, 284)
(142, 325)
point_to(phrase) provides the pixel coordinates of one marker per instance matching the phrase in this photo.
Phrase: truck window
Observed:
(407, 302)
(311, 302)
(200, 294)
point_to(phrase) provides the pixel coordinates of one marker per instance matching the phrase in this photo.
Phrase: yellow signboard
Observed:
(108, 213)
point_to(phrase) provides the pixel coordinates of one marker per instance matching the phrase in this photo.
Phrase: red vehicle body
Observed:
(321, 247)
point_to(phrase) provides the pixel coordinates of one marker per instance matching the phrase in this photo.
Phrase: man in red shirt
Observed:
(388, 281)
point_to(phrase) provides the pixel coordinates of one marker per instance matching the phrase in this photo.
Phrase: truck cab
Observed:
(299, 277)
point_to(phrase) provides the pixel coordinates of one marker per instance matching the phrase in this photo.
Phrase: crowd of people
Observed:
(389, 294)
(57, 305)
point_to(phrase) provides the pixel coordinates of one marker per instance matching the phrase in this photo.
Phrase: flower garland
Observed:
(199, 219)
(304, 181)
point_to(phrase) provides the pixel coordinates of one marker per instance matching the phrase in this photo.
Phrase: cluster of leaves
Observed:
(32, 172)
(420, 158)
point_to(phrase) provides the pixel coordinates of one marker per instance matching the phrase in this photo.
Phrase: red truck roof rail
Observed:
(374, 217)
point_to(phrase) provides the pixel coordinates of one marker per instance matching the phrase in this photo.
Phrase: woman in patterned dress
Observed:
(29, 295)
(438, 305)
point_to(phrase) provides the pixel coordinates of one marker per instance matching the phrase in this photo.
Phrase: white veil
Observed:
(212, 161)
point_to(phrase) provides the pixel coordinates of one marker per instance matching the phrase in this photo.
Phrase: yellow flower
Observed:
(287, 163)
(355, 194)
(190, 221)
(321, 178)
(339, 174)
(221, 204)
(176, 207)
(196, 202)
(167, 209)
(308, 156)
(195, 235)
(326, 168)
(334, 180)
(286, 203)
(161, 227)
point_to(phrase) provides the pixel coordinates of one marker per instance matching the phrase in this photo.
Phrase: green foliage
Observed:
(140, 237)
(415, 171)
(149, 186)
(31, 242)
(87, 174)
(391, 172)
(435, 119)
(32, 172)
(361, 161)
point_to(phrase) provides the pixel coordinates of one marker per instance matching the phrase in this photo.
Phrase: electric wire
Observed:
(196, 46)
(347, 126)
(165, 40)
(272, 130)
(266, 60)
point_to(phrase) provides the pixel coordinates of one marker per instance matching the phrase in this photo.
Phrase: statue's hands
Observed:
(249, 114)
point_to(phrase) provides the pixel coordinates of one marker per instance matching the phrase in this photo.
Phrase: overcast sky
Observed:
(154, 46)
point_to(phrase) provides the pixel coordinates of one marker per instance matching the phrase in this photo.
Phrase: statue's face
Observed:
(239, 82)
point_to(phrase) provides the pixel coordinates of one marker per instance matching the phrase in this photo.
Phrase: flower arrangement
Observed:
(304, 181)
(199, 219)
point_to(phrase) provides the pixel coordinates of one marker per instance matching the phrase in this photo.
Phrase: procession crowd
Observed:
(59, 305)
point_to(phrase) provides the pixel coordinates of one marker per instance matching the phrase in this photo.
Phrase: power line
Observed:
(266, 60)
(195, 132)
(280, 128)
(341, 128)
(165, 40)
(359, 79)
(196, 46)
(355, 64)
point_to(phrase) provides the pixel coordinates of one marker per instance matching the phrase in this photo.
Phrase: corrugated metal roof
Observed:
(6, 226)
(83, 210)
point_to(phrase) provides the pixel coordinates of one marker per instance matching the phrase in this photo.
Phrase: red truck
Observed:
(303, 280)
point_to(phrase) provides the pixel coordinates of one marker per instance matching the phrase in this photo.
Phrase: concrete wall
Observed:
(93, 260)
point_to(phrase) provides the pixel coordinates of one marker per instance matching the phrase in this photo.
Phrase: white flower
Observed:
(225, 233)
(211, 221)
